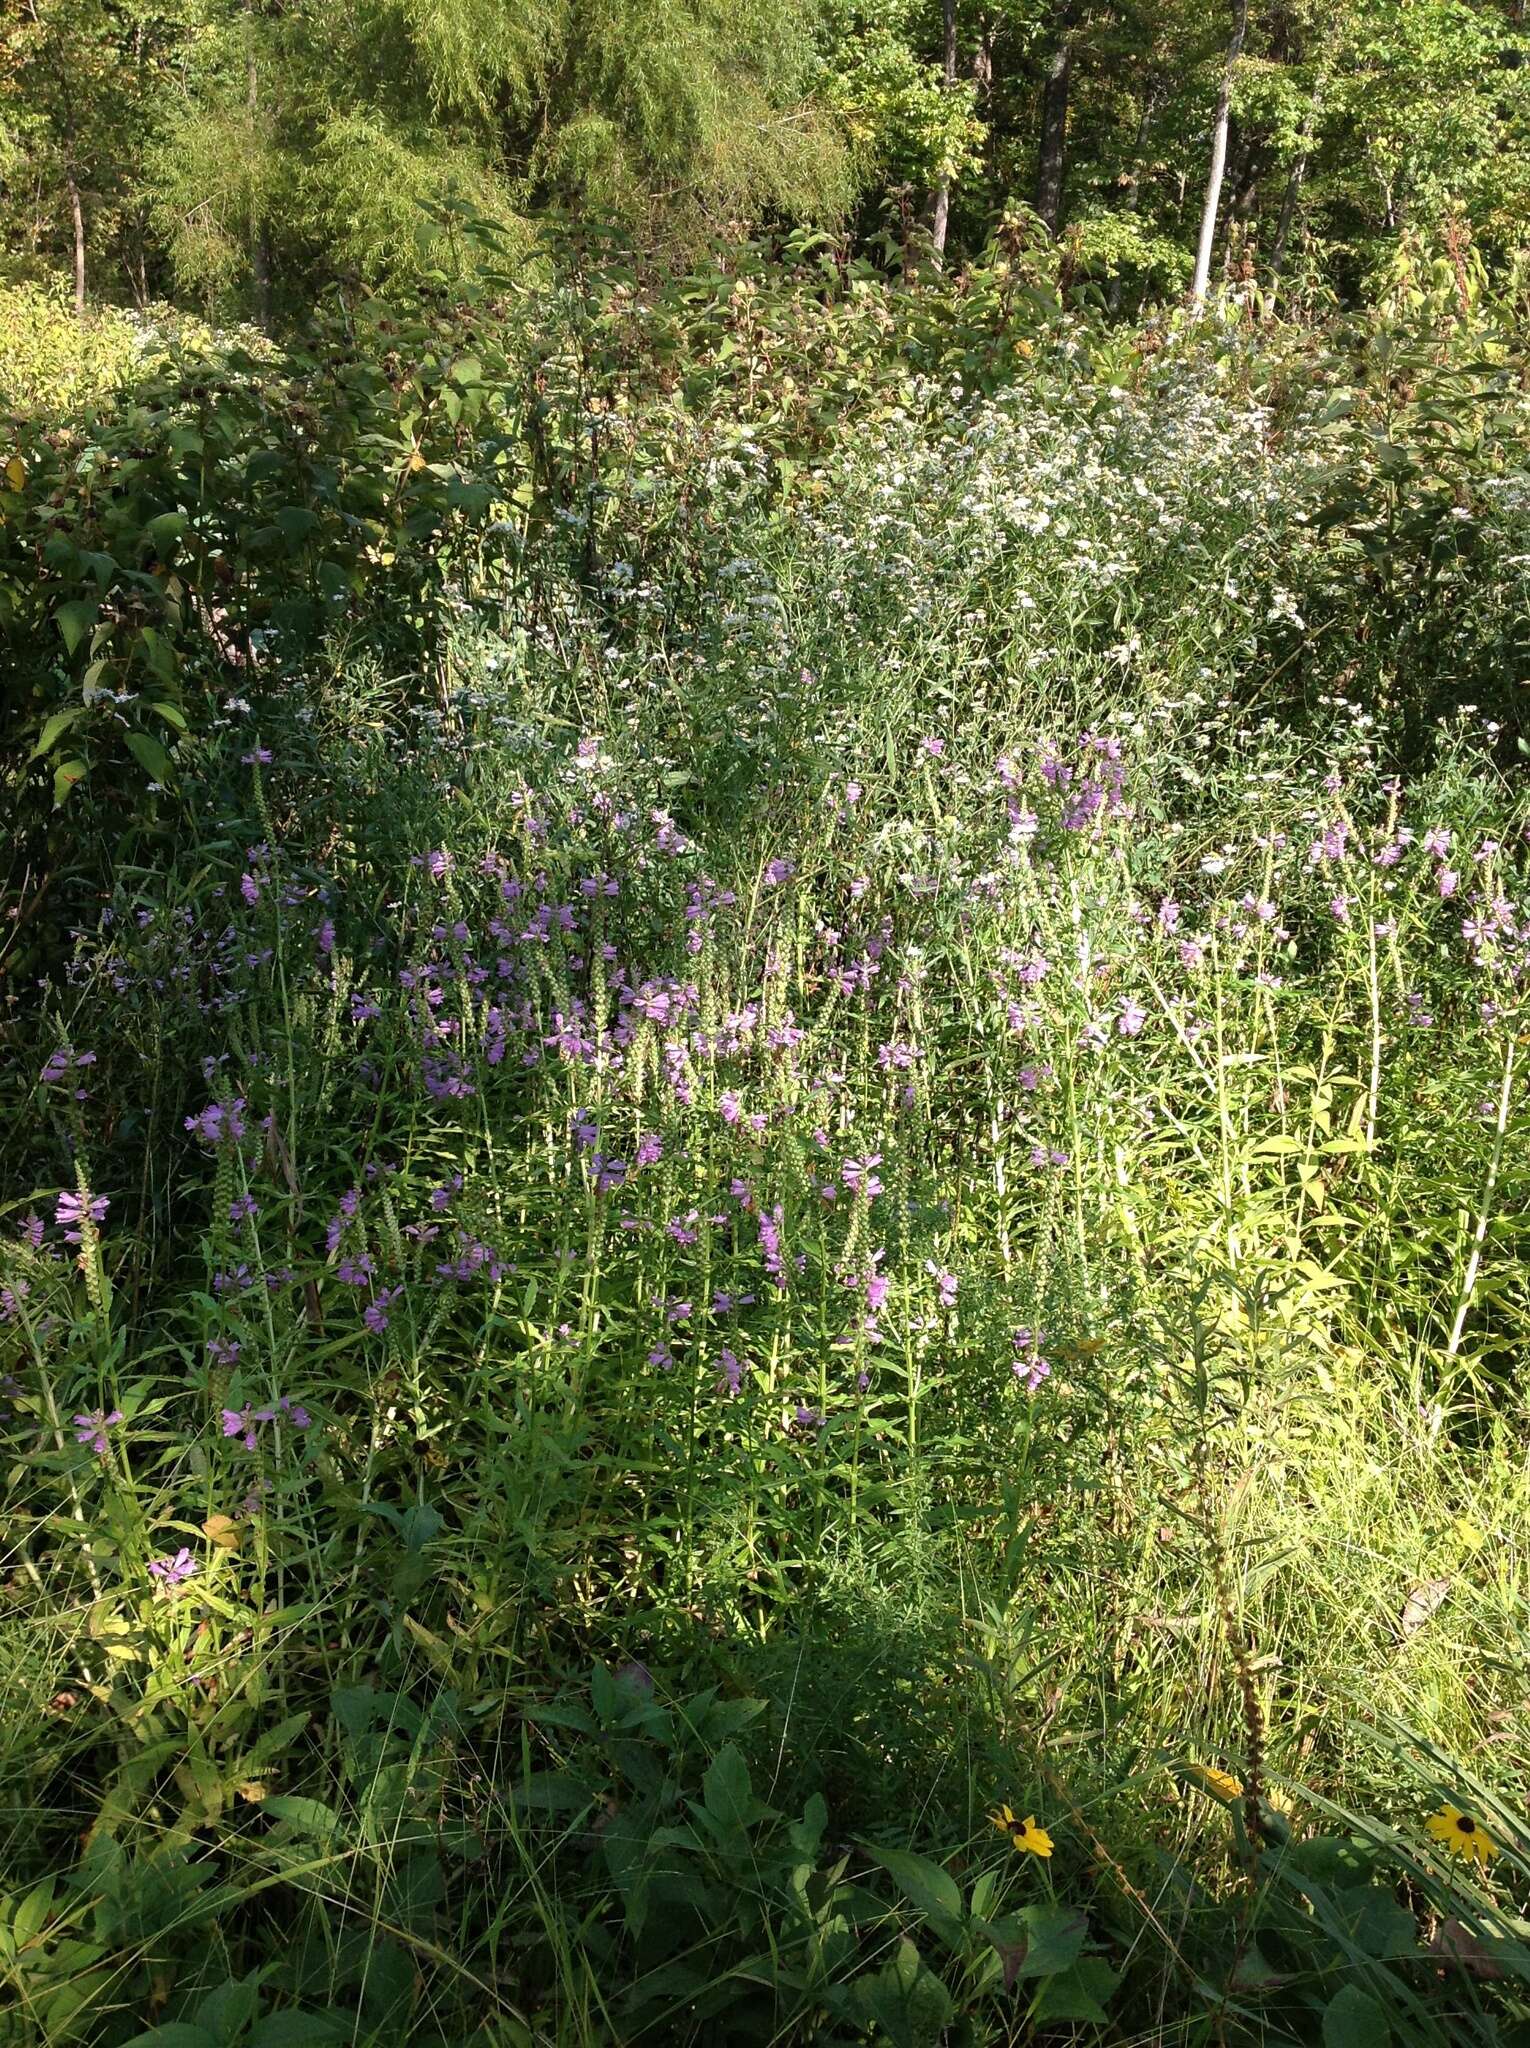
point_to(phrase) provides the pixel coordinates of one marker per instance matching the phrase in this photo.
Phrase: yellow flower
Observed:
(1026, 1836)
(1462, 1836)
(1220, 1784)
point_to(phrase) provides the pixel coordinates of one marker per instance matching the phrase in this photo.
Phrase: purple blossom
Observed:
(221, 1123)
(91, 1429)
(222, 1351)
(769, 1222)
(59, 1063)
(169, 1573)
(778, 871)
(74, 1209)
(730, 1372)
(377, 1311)
(1029, 1365)
(243, 1208)
(860, 1177)
(1132, 1018)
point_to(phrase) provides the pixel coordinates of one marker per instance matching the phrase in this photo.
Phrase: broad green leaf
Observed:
(1078, 1993)
(923, 1883)
(292, 2029)
(54, 731)
(725, 1788)
(303, 1816)
(74, 620)
(150, 756)
(1353, 2019)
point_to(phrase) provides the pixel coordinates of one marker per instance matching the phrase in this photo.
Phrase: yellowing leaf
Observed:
(223, 1531)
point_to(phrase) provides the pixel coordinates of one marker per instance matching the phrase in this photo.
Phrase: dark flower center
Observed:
(1466, 1824)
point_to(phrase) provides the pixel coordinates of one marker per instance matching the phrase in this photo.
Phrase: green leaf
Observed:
(175, 2034)
(303, 1816)
(725, 1788)
(1079, 1993)
(1052, 1939)
(906, 2000)
(295, 523)
(150, 756)
(65, 776)
(166, 527)
(54, 730)
(923, 1883)
(172, 714)
(1353, 2019)
(292, 2029)
(74, 621)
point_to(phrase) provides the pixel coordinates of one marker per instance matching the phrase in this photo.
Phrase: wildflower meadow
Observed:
(762, 1273)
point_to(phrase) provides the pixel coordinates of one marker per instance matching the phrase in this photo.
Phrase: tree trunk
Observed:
(941, 210)
(1218, 160)
(1052, 155)
(77, 218)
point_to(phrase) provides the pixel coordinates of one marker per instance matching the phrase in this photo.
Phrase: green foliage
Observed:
(811, 1128)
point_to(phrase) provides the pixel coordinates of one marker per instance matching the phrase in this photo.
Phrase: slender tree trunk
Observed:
(1051, 157)
(77, 218)
(1218, 160)
(941, 211)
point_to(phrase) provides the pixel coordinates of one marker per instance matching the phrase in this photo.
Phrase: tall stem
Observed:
(1218, 159)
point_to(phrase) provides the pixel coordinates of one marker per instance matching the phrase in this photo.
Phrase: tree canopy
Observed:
(241, 154)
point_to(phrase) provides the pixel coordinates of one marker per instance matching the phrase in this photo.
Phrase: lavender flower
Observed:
(377, 1311)
(74, 1209)
(91, 1429)
(170, 1573)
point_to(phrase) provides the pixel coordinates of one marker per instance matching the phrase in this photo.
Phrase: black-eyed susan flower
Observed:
(1462, 1835)
(1026, 1836)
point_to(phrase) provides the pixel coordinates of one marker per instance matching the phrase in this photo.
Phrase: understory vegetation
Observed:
(763, 1244)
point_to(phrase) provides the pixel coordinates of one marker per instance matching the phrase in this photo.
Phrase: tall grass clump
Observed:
(791, 1309)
